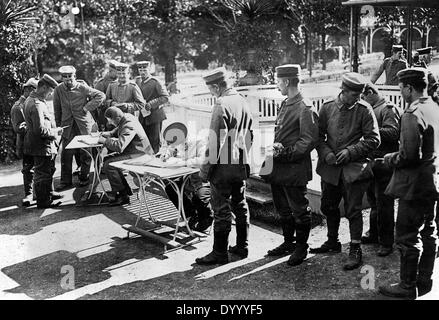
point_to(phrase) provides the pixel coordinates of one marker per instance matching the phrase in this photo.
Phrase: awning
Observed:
(414, 3)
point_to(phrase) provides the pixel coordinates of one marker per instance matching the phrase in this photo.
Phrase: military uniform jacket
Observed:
(103, 83)
(296, 128)
(17, 119)
(129, 137)
(354, 128)
(229, 140)
(391, 67)
(388, 118)
(416, 162)
(155, 96)
(68, 106)
(40, 138)
(127, 93)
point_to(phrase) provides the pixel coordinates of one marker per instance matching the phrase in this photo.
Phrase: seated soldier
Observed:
(127, 141)
(196, 198)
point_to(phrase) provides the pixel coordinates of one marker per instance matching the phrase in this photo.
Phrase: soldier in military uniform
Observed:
(382, 216)
(102, 85)
(73, 101)
(19, 126)
(391, 66)
(155, 95)
(423, 57)
(125, 94)
(40, 140)
(414, 182)
(226, 168)
(349, 133)
(289, 168)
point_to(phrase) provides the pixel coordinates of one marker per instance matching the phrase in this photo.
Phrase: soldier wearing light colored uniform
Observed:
(41, 140)
(19, 126)
(391, 66)
(125, 94)
(226, 168)
(296, 134)
(73, 101)
(155, 95)
(414, 183)
(349, 134)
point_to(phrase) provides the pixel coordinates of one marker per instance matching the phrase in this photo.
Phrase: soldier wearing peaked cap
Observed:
(349, 133)
(382, 216)
(73, 102)
(391, 66)
(19, 126)
(414, 182)
(156, 96)
(125, 94)
(289, 168)
(40, 141)
(102, 85)
(424, 57)
(226, 167)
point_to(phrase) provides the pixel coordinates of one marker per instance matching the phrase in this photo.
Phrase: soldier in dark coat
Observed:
(102, 85)
(126, 141)
(289, 168)
(349, 133)
(156, 96)
(391, 66)
(414, 182)
(19, 126)
(40, 140)
(227, 167)
(382, 216)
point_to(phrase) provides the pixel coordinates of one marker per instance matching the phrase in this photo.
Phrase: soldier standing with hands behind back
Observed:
(295, 135)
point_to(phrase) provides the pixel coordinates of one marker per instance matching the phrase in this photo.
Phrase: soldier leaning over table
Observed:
(40, 141)
(19, 126)
(382, 213)
(295, 136)
(73, 101)
(414, 182)
(126, 141)
(349, 133)
(227, 168)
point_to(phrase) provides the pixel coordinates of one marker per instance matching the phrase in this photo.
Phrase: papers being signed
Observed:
(152, 161)
(90, 140)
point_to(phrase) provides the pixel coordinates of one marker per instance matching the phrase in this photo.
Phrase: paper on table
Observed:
(152, 161)
(89, 140)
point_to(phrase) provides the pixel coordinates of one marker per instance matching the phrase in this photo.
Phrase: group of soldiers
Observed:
(79, 110)
(365, 145)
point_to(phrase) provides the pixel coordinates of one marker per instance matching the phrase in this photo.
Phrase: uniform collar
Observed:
(340, 104)
(71, 89)
(122, 84)
(290, 101)
(228, 92)
(419, 100)
(37, 96)
(379, 103)
(145, 79)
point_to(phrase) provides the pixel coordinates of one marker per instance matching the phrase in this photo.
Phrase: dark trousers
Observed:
(352, 194)
(153, 132)
(115, 176)
(225, 199)
(44, 168)
(67, 158)
(416, 234)
(382, 207)
(28, 173)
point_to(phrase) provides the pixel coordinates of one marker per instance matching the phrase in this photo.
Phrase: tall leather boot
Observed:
(241, 248)
(301, 251)
(288, 230)
(406, 288)
(219, 254)
(43, 194)
(424, 280)
(332, 244)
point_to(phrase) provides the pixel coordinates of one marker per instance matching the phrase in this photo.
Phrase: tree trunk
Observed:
(310, 54)
(306, 48)
(323, 48)
(170, 68)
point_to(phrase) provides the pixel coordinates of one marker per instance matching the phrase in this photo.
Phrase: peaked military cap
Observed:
(354, 81)
(426, 50)
(48, 80)
(121, 66)
(113, 64)
(67, 70)
(413, 74)
(143, 63)
(397, 48)
(32, 82)
(288, 71)
(215, 76)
